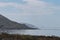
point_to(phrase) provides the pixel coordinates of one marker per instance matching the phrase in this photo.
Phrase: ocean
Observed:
(35, 32)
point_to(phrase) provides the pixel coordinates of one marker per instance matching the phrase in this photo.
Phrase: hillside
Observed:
(7, 24)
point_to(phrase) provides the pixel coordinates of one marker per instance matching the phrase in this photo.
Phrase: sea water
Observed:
(35, 32)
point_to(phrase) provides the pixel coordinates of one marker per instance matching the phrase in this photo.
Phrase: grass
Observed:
(5, 36)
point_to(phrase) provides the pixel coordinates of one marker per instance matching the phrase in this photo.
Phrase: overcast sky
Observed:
(41, 13)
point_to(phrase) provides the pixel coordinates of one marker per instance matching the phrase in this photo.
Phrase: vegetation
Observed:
(5, 36)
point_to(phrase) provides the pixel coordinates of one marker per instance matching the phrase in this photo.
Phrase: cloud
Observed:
(5, 4)
(33, 7)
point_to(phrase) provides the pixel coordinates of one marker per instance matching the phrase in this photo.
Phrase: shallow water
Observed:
(35, 32)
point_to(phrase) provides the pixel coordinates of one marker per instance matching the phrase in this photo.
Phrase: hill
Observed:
(6, 24)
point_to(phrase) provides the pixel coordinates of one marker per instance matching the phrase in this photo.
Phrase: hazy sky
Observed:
(41, 13)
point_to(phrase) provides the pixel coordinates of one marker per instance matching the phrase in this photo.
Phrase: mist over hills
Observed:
(5, 23)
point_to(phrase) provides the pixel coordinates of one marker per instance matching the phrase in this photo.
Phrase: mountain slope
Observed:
(5, 23)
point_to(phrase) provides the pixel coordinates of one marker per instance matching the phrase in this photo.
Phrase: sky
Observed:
(41, 13)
